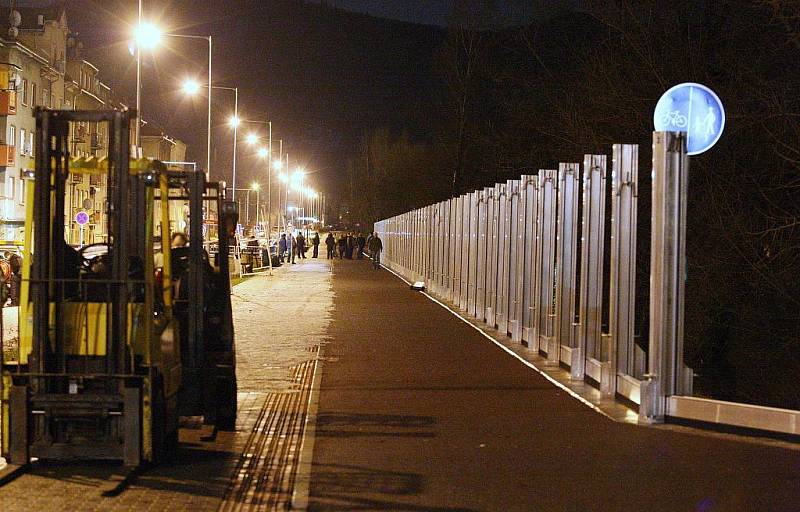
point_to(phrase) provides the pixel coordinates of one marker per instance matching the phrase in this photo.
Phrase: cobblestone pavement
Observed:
(279, 321)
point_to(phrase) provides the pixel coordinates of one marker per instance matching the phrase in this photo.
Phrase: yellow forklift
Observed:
(116, 339)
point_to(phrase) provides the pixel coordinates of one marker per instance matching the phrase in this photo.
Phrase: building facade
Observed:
(42, 64)
(32, 66)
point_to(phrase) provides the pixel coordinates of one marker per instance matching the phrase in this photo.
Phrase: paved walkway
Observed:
(418, 411)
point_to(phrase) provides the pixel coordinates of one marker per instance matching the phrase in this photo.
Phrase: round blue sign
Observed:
(694, 109)
(81, 218)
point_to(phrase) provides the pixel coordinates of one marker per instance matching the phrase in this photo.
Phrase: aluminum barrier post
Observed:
(593, 238)
(566, 261)
(476, 274)
(466, 254)
(484, 205)
(518, 259)
(493, 218)
(530, 186)
(455, 250)
(545, 259)
(419, 241)
(453, 260)
(436, 249)
(668, 375)
(443, 243)
(503, 257)
(450, 255)
(622, 288)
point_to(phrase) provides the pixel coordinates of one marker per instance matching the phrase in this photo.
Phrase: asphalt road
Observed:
(418, 411)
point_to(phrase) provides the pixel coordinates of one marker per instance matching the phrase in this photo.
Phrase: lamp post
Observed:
(148, 36)
(191, 88)
(255, 186)
(252, 139)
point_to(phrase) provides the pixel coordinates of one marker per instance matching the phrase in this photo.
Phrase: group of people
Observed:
(350, 246)
(291, 247)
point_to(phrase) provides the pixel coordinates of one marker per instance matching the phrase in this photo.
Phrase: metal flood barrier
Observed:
(527, 258)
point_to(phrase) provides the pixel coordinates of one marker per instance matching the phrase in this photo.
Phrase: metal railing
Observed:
(518, 257)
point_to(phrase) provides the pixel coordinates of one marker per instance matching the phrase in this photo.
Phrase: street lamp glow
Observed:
(277, 165)
(283, 177)
(191, 87)
(234, 121)
(147, 35)
(263, 152)
(251, 138)
(255, 186)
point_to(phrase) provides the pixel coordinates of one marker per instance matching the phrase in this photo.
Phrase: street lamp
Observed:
(192, 88)
(148, 36)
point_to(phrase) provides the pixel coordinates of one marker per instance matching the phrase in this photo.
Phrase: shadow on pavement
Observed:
(336, 487)
(350, 425)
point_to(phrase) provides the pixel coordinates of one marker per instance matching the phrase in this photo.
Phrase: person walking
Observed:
(15, 261)
(342, 246)
(315, 243)
(351, 244)
(361, 242)
(301, 246)
(282, 247)
(330, 243)
(292, 246)
(375, 247)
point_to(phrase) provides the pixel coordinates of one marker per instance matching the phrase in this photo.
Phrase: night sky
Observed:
(439, 12)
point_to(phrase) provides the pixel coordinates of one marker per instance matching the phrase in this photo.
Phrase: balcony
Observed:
(8, 103)
(8, 155)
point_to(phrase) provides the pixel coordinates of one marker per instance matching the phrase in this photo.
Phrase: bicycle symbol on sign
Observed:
(674, 118)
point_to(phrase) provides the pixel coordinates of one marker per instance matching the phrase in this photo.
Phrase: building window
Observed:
(11, 188)
(12, 135)
(30, 143)
(25, 91)
(22, 141)
(33, 95)
(45, 98)
(21, 191)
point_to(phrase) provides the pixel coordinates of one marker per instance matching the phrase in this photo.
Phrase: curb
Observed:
(9, 472)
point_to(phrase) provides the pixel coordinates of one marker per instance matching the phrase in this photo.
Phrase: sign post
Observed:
(81, 218)
(689, 120)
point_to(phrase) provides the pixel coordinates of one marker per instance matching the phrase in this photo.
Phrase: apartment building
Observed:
(32, 66)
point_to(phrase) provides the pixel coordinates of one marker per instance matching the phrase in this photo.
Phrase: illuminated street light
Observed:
(234, 121)
(283, 177)
(251, 138)
(277, 165)
(147, 35)
(191, 87)
(263, 153)
(255, 185)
